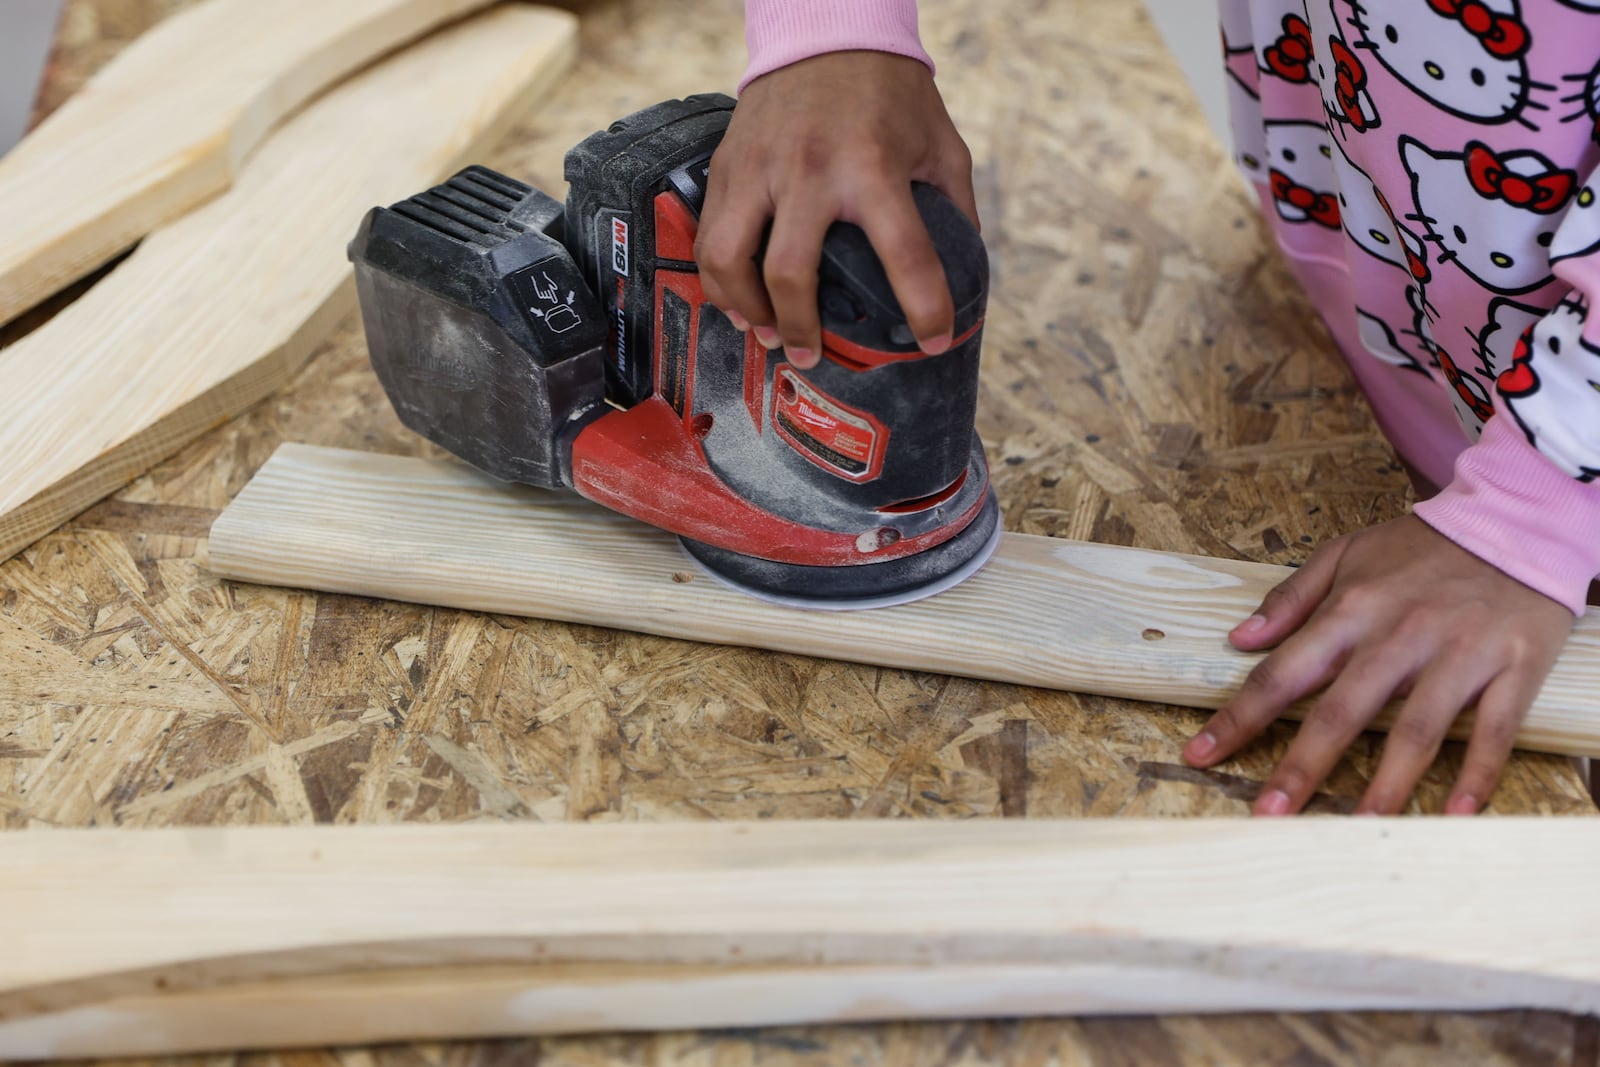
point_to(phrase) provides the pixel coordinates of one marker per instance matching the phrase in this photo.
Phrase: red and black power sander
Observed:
(574, 349)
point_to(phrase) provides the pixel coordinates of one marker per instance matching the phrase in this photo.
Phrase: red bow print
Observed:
(1545, 193)
(1470, 392)
(1520, 378)
(1290, 56)
(1322, 207)
(1501, 35)
(1415, 263)
(1349, 82)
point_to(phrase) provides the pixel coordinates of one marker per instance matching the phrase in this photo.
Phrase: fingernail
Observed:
(768, 337)
(935, 346)
(1251, 625)
(801, 357)
(1465, 804)
(740, 323)
(1273, 802)
(1201, 746)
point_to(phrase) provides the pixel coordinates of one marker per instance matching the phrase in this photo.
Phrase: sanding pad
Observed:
(878, 585)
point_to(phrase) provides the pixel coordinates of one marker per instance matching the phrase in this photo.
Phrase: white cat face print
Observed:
(1379, 339)
(1464, 56)
(1371, 223)
(1583, 99)
(1553, 370)
(1341, 74)
(1422, 314)
(1579, 234)
(1304, 187)
(1496, 344)
(1249, 134)
(1361, 210)
(1493, 215)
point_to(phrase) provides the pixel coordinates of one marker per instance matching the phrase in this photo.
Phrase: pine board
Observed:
(1045, 612)
(778, 922)
(169, 123)
(1153, 378)
(220, 308)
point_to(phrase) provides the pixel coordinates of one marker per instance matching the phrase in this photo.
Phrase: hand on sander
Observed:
(573, 347)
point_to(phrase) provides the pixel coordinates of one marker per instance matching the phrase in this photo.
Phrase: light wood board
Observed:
(219, 309)
(121, 932)
(168, 124)
(1152, 378)
(1043, 612)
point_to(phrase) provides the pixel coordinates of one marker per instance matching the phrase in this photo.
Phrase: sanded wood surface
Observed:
(1152, 379)
(222, 307)
(1102, 619)
(169, 123)
(512, 1000)
(1040, 918)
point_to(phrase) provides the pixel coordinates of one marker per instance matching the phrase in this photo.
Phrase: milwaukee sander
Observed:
(571, 347)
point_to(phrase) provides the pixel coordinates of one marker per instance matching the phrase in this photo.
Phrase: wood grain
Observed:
(787, 922)
(1152, 378)
(168, 125)
(508, 1000)
(221, 308)
(1045, 612)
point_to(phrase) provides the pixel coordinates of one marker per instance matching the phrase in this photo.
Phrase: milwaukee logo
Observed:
(812, 417)
(619, 246)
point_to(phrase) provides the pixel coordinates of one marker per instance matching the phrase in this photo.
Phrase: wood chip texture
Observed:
(1152, 378)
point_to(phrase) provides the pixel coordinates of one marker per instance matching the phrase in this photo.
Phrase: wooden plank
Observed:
(167, 124)
(443, 1003)
(221, 308)
(1044, 612)
(775, 922)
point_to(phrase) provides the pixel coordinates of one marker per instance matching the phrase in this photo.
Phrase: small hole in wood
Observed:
(1153, 634)
(682, 577)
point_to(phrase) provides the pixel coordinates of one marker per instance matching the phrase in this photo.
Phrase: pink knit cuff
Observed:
(1512, 508)
(781, 32)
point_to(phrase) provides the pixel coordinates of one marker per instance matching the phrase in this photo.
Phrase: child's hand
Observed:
(838, 136)
(1394, 610)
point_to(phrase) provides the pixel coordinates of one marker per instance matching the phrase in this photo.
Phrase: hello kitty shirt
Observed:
(1430, 169)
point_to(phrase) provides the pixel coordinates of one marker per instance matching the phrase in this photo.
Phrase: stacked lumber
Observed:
(169, 122)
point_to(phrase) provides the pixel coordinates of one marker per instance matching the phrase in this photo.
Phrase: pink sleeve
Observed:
(1526, 497)
(1511, 507)
(781, 32)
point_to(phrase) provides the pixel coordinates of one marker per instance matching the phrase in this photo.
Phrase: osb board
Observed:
(1152, 378)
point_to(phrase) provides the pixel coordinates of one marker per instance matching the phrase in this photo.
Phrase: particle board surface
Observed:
(1071, 615)
(168, 124)
(1152, 379)
(223, 306)
(1041, 917)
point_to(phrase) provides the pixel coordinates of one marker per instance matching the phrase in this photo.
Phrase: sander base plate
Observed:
(878, 585)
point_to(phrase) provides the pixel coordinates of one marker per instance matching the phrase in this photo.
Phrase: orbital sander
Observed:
(572, 347)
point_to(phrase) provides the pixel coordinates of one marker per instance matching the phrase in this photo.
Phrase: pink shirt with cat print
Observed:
(1429, 167)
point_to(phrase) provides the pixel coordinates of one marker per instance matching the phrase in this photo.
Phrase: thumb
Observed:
(1286, 608)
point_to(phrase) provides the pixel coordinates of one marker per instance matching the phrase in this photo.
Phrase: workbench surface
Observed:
(1152, 377)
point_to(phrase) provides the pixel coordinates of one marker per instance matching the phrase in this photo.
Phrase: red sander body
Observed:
(573, 348)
